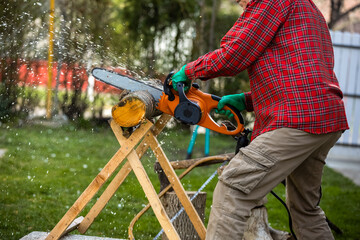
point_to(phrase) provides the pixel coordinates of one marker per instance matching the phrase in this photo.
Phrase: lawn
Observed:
(45, 170)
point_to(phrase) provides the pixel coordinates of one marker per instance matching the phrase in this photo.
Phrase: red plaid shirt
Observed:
(286, 47)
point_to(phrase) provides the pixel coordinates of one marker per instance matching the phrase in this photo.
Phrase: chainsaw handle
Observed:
(168, 87)
(211, 103)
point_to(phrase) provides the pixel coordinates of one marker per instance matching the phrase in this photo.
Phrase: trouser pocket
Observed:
(245, 172)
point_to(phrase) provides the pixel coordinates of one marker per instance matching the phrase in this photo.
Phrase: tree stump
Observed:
(182, 223)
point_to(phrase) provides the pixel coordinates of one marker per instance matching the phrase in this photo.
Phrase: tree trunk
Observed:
(337, 13)
(182, 223)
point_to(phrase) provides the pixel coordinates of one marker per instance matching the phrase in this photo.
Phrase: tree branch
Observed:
(334, 21)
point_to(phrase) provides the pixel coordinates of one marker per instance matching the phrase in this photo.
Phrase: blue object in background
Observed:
(193, 139)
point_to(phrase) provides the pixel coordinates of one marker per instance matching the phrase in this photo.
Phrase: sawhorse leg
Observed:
(176, 184)
(121, 175)
(98, 181)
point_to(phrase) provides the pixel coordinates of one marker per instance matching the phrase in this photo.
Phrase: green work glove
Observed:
(180, 76)
(235, 100)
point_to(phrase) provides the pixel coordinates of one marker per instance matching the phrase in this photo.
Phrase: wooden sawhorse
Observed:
(146, 136)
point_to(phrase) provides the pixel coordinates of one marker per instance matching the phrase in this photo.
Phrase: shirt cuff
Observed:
(248, 102)
(190, 70)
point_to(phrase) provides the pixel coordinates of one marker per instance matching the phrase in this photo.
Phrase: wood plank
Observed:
(121, 175)
(337, 39)
(355, 139)
(151, 194)
(356, 42)
(353, 64)
(98, 181)
(344, 64)
(342, 55)
(104, 198)
(356, 121)
(177, 186)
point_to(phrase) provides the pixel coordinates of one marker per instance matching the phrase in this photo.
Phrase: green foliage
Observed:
(17, 103)
(17, 20)
(46, 169)
(143, 25)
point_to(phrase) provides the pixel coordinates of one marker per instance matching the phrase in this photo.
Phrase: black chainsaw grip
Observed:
(187, 111)
(168, 87)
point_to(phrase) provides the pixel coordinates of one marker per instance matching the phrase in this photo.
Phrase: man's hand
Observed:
(180, 76)
(235, 100)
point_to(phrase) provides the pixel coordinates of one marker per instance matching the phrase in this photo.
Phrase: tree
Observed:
(217, 17)
(18, 29)
(337, 12)
(85, 38)
(144, 26)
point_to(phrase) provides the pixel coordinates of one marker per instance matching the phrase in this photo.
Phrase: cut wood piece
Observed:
(133, 108)
(73, 225)
(182, 223)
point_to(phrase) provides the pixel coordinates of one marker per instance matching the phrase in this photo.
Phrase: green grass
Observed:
(45, 170)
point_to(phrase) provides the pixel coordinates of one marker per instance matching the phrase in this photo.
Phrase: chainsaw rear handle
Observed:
(211, 103)
(195, 106)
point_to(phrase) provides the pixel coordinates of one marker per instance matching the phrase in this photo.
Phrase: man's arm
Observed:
(245, 41)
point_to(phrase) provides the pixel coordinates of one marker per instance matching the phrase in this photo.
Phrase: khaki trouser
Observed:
(273, 156)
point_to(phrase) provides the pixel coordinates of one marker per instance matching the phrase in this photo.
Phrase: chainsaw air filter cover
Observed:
(188, 112)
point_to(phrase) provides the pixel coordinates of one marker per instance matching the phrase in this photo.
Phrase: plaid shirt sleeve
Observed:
(244, 42)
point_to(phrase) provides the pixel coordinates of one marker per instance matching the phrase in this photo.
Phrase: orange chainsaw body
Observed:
(201, 105)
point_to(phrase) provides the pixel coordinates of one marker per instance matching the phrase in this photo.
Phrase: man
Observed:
(299, 114)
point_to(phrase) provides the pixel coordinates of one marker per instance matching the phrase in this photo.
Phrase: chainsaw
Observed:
(192, 107)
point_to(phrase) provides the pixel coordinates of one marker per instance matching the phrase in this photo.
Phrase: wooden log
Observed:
(133, 108)
(183, 164)
(182, 223)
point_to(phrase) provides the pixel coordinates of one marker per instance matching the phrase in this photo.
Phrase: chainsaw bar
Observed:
(127, 83)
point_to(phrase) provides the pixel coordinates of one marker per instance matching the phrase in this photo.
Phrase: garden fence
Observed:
(347, 69)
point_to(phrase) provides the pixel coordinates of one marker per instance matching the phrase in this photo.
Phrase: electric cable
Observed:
(288, 211)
